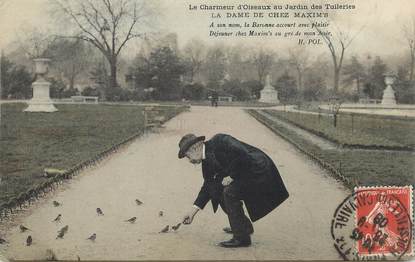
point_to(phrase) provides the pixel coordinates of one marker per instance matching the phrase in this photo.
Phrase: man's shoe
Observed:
(228, 230)
(236, 243)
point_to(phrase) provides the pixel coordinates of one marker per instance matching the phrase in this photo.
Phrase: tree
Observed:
(375, 85)
(99, 74)
(287, 87)
(235, 88)
(57, 88)
(89, 91)
(193, 56)
(140, 72)
(354, 73)
(254, 86)
(337, 41)
(335, 104)
(194, 91)
(237, 62)
(404, 90)
(35, 41)
(262, 60)
(107, 24)
(166, 69)
(15, 80)
(215, 66)
(71, 58)
(299, 59)
(315, 87)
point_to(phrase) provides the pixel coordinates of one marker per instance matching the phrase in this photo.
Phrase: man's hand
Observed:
(227, 181)
(188, 218)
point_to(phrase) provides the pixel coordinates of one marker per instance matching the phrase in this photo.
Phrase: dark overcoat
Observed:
(252, 171)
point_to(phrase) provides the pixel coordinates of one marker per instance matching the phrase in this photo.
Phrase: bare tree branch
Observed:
(107, 24)
(337, 45)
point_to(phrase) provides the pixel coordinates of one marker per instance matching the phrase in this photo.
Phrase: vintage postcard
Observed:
(207, 130)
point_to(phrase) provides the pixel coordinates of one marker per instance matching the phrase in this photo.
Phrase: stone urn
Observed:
(388, 97)
(41, 101)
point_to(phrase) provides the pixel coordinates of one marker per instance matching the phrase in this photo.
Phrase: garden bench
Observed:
(85, 99)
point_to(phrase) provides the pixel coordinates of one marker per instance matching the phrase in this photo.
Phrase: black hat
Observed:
(187, 141)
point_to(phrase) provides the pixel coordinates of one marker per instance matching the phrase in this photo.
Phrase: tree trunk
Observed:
(411, 72)
(72, 77)
(335, 120)
(336, 78)
(113, 70)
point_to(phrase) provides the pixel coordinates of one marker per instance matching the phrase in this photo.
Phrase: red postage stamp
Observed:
(384, 219)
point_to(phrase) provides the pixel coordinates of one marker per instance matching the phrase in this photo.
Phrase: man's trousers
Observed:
(240, 224)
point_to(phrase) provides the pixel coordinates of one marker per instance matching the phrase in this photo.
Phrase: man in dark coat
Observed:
(234, 171)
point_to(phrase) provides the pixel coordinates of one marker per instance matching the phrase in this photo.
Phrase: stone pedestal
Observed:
(41, 101)
(269, 94)
(388, 97)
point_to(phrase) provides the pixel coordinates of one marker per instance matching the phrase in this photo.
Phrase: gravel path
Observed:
(149, 170)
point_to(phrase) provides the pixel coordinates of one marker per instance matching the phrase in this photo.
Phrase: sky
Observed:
(381, 35)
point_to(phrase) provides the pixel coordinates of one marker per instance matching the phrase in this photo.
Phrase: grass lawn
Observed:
(30, 142)
(357, 129)
(368, 167)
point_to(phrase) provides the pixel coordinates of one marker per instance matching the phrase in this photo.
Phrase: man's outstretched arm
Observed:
(200, 202)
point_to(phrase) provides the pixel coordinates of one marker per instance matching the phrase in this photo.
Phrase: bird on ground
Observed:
(60, 234)
(56, 203)
(2, 241)
(160, 213)
(99, 212)
(29, 241)
(92, 237)
(176, 227)
(64, 229)
(58, 218)
(131, 220)
(138, 202)
(23, 228)
(165, 229)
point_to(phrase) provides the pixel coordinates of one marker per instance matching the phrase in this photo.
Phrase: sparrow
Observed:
(29, 241)
(23, 228)
(131, 220)
(64, 229)
(2, 241)
(160, 213)
(165, 229)
(99, 212)
(56, 203)
(138, 202)
(58, 218)
(176, 227)
(92, 237)
(60, 234)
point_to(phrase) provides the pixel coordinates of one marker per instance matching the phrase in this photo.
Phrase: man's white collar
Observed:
(203, 152)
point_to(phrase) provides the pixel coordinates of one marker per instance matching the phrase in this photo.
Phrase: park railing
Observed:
(262, 118)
